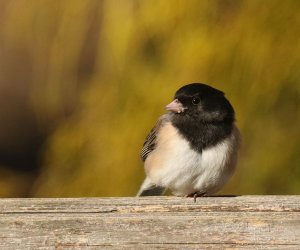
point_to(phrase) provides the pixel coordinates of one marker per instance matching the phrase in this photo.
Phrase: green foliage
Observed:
(115, 64)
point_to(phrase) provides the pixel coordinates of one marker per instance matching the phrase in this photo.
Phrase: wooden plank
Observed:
(152, 204)
(248, 222)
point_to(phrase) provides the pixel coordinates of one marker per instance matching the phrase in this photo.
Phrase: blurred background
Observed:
(83, 82)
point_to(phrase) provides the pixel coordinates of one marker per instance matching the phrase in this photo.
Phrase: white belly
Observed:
(173, 164)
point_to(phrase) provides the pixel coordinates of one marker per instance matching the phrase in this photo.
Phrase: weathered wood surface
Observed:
(243, 222)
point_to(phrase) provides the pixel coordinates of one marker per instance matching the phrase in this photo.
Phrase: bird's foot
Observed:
(195, 195)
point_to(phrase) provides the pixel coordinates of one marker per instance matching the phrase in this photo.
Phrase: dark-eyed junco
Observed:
(192, 150)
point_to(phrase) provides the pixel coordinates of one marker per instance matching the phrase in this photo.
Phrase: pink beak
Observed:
(175, 106)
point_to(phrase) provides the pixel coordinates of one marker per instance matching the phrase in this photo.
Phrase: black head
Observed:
(201, 103)
(202, 115)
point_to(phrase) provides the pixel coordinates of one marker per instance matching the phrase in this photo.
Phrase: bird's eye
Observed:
(195, 100)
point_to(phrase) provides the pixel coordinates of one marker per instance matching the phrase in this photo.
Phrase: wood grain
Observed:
(242, 222)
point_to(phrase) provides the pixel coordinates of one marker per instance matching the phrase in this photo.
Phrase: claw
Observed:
(195, 195)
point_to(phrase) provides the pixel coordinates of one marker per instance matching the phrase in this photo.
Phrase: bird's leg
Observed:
(195, 195)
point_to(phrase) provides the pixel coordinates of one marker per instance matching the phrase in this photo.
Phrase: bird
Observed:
(193, 148)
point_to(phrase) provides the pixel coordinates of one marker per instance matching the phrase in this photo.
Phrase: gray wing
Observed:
(150, 142)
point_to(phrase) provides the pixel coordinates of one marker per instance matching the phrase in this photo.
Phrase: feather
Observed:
(150, 189)
(150, 142)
